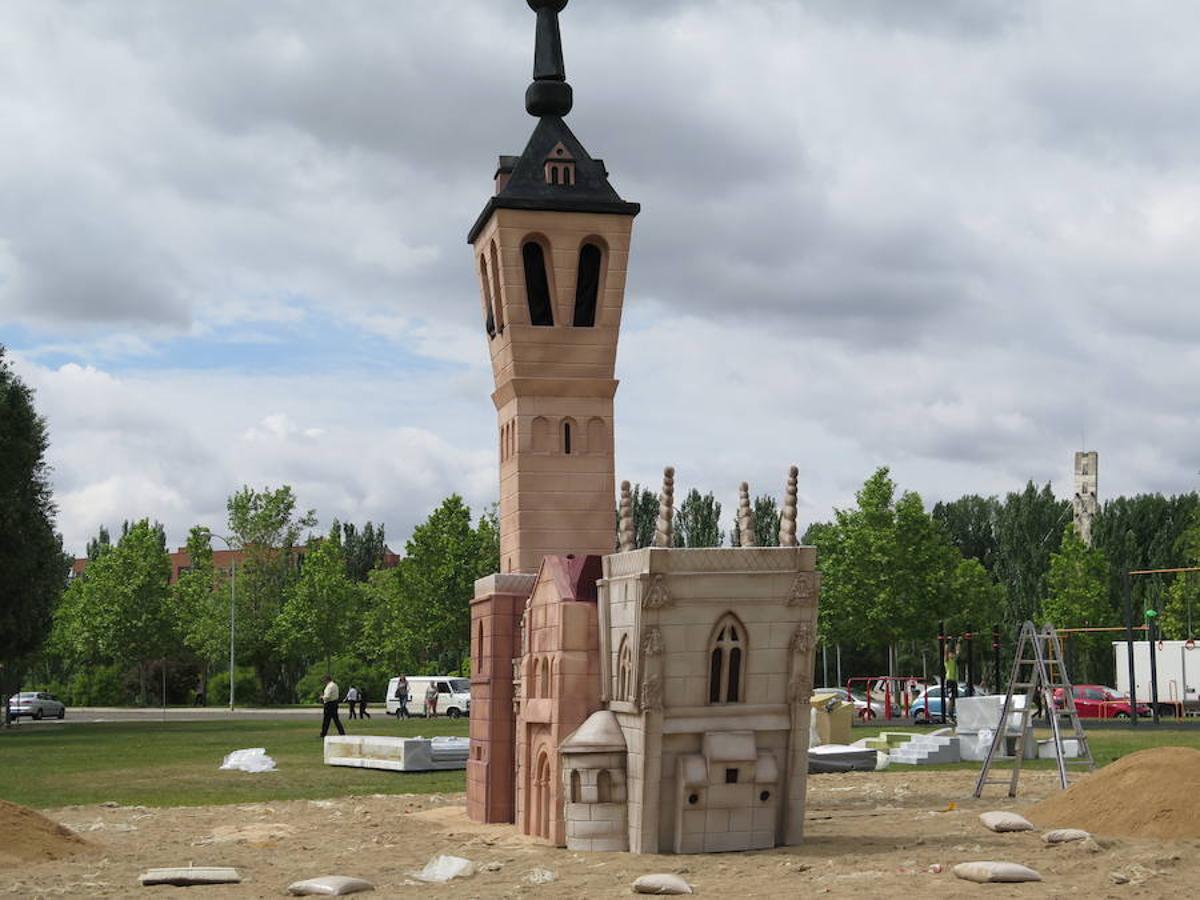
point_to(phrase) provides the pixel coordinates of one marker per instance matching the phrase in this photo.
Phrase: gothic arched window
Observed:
(624, 670)
(537, 284)
(587, 285)
(727, 660)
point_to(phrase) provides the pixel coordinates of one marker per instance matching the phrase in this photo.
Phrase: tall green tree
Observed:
(698, 521)
(1029, 527)
(1180, 614)
(363, 549)
(117, 611)
(267, 526)
(1077, 597)
(645, 516)
(323, 607)
(33, 569)
(890, 573)
(417, 617)
(971, 523)
(200, 600)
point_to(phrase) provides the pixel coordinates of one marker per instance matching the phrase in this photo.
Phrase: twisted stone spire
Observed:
(787, 518)
(746, 517)
(627, 537)
(664, 529)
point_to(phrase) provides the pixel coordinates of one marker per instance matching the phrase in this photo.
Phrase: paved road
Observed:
(78, 714)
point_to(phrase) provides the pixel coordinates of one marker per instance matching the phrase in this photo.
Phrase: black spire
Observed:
(549, 94)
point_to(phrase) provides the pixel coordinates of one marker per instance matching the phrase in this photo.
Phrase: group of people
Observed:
(355, 697)
(402, 697)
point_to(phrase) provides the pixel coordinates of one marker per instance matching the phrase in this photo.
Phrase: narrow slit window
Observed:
(567, 438)
(587, 285)
(537, 284)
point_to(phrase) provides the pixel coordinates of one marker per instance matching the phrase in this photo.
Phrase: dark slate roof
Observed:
(527, 187)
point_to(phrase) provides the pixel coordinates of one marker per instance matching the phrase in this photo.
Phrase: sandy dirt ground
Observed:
(868, 835)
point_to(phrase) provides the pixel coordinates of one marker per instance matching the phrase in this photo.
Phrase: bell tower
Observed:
(551, 250)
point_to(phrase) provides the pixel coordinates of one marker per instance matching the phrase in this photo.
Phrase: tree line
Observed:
(893, 571)
(302, 604)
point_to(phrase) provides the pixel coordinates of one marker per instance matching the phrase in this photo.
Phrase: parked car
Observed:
(862, 709)
(454, 695)
(928, 704)
(1095, 701)
(36, 705)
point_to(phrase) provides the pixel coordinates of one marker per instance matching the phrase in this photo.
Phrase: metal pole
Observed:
(824, 664)
(1152, 627)
(232, 616)
(941, 672)
(970, 692)
(995, 659)
(1133, 719)
(837, 651)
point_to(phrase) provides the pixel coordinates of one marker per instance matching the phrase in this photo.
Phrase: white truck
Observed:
(1178, 667)
(453, 695)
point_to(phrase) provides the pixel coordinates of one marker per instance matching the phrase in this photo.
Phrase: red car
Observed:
(1095, 701)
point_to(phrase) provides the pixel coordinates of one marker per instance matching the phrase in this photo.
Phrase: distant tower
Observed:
(1085, 501)
(551, 248)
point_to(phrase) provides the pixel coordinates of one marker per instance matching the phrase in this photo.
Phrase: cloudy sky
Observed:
(957, 238)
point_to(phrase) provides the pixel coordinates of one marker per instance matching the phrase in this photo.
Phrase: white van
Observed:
(453, 698)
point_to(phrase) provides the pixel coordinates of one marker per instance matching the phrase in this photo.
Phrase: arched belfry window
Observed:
(537, 284)
(727, 661)
(497, 300)
(587, 285)
(490, 322)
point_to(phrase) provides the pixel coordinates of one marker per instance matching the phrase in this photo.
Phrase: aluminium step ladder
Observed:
(1038, 665)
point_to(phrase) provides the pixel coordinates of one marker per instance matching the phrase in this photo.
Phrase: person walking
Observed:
(402, 698)
(329, 699)
(431, 701)
(950, 701)
(352, 700)
(362, 705)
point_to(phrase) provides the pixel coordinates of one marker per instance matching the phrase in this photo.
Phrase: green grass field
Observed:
(175, 763)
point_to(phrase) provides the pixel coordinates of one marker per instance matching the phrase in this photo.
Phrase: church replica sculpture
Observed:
(650, 700)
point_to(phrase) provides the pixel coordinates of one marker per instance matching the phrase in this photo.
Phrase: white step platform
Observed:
(926, 750)
(370, 751)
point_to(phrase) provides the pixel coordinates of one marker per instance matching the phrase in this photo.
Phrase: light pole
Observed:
(232, 614)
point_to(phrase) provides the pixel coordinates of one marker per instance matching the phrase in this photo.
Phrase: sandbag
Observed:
(182, 877)
(1005, 821)
(984, 872)
(1065, 835)
(443, 868)
(329, 886)
(661, 884)
(254, 759)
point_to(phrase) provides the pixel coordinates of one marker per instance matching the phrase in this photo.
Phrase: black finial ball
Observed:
(548, 98)
(556, 5)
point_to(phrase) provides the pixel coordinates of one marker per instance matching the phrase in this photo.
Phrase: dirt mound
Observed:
(27, 836)
(1151, 793)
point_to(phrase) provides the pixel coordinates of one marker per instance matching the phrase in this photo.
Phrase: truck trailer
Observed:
(1178, 668)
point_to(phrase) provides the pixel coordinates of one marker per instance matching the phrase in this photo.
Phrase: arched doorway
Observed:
(541, 797)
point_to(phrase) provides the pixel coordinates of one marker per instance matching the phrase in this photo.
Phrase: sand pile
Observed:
(1151, 793)
(27, 836)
